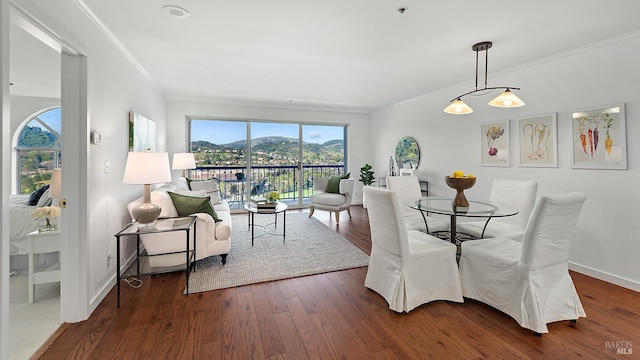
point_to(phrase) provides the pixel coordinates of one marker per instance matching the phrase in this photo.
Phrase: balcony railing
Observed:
(237, 184)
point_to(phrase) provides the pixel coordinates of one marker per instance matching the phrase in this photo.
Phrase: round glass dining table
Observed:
(476, 209)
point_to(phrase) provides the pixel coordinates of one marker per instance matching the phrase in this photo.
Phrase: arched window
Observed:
(39, 150)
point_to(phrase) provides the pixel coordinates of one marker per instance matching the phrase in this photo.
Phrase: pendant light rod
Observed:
(484, 46)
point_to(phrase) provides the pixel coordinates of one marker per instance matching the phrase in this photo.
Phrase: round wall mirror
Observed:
(407, 153)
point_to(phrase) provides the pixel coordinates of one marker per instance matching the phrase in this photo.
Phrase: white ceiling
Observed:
(358, 54)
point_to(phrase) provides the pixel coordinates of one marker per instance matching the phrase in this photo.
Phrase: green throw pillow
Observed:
(333, 186)
(188, 205)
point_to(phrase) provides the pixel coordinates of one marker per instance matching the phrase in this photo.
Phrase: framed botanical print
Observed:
(495, 143)
(599, 138)
(538, 141)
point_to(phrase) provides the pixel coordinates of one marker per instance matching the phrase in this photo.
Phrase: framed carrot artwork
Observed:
(599, 138)
(495, 143)
(538, 141)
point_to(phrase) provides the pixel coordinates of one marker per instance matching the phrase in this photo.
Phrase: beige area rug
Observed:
(31, 325)
(310, 248)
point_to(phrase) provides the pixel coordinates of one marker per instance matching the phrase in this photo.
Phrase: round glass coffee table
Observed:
(266, 209)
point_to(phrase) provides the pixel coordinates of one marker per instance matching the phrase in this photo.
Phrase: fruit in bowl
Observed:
(460, 183)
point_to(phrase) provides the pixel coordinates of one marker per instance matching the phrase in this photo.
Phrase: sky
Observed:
(223, 132)
(52, 118)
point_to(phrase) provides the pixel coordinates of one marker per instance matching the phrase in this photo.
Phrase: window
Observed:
(39, 150)
(253, 157)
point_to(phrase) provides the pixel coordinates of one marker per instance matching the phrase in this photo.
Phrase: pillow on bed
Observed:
(44, 199)
(36, 195)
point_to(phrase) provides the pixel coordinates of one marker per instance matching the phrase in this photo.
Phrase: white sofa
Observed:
(212, 238)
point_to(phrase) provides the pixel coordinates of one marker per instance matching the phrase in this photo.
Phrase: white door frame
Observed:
(74, 294)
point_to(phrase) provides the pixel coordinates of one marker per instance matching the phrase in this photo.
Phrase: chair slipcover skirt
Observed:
(528, 281)
(408, 268)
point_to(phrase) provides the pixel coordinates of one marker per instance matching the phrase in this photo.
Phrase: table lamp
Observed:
(55, 186)
(183, 161)
(146, 168)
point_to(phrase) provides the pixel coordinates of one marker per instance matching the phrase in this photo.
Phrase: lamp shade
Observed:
(56, 184)
(147, 168)
(506, 100)
(183, 161)
(458, 107)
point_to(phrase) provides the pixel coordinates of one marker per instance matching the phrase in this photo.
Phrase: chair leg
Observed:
(224, 258)
(337, 217)
(311, 211)
(349, 211)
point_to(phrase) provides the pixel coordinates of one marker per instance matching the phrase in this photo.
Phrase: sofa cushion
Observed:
(162, 199)
(210, 186)
(333, 186)
(328, 199)
(180, 183)
(187, 205)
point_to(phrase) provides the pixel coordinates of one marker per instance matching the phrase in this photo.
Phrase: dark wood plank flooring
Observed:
(333, 316)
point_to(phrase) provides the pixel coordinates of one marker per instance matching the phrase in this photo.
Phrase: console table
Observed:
(424, 185)
(142, 264)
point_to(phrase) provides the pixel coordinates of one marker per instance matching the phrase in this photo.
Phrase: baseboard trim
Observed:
(605, 276)
(109, 285)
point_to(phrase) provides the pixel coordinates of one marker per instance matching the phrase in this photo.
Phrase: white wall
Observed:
(358, 147)
(115, 87)
(605, 243)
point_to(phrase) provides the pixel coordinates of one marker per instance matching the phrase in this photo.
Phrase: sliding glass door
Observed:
(252, 158)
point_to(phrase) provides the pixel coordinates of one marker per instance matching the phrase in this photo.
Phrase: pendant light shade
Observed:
(458, 107)
(506, 100)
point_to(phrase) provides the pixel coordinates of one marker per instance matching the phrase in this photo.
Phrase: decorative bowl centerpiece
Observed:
(460, 182)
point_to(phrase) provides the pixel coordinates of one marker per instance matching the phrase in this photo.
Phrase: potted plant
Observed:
(367, 178)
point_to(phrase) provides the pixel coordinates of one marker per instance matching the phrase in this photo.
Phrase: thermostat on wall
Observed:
(96, 138)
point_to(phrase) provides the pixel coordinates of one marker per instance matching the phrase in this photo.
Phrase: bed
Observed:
(21, 224)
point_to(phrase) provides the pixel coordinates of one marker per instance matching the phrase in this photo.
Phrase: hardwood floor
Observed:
(333, 316)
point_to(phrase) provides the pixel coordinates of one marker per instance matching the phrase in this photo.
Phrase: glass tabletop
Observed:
(275, 209)
(477, 208)
(161, 225)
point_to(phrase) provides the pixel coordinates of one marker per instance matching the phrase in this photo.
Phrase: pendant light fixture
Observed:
(506, 100)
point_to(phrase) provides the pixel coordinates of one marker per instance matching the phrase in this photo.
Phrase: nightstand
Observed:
(41, 243)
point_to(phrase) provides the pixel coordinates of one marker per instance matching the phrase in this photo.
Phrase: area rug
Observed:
(310, 248)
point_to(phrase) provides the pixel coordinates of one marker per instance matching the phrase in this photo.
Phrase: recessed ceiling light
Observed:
(176, 11)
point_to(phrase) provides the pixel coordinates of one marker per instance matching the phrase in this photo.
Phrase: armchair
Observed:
(332, 202)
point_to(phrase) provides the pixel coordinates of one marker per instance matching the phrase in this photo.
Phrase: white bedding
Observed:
(21, 223)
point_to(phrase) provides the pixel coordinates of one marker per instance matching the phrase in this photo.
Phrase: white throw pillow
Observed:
(162, 199)
(211, 187)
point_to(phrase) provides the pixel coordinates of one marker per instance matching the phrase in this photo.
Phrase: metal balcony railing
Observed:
(237, 184)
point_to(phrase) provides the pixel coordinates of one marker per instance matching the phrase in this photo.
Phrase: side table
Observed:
(142, 264)
(253, 209)
(40, 243)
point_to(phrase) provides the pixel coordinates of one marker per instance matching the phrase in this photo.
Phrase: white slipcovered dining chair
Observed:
(408, 187)
(528, 281)
(331, 201)
(408, 268)
(518, 193)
